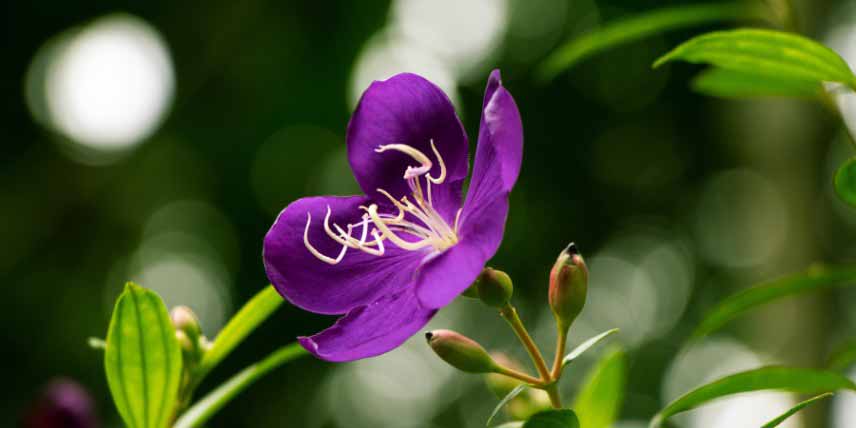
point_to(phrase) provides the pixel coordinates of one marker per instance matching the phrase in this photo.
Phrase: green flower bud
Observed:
(460, 351)
(494, 287)
(568, 286)
(189, 334)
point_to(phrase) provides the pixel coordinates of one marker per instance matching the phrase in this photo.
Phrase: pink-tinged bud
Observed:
(568, 286)
(494, 287)
(460, 351)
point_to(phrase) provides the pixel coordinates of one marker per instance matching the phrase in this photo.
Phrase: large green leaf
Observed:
(599, 401)
(765, 53)
(585, 346)
(845, 182)
(254, 312)
(781, 418)
(814, 279)
(724, 83)
(553, 418)
(801, 381)
(638, 27)
(142, 359)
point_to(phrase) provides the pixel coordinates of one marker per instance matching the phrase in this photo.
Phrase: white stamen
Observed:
(425, 223)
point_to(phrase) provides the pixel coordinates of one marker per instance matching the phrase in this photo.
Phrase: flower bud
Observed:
(185, 320)
(460, 351)
(189, 334)
(568, 286)
(494, 287)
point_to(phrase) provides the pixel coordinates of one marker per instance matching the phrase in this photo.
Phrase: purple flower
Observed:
(63, 404)
(390, 259)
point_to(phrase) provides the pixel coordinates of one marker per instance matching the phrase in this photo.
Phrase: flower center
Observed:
(415, 226)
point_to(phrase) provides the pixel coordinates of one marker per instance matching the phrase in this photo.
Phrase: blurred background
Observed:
(156, 142)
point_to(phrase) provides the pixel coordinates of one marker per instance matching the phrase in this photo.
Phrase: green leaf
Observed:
(845, 182)
(553, 418)
(801, 381)
(599, 401)
(516, 424)
(843, 356)
(258, 309)
(585, 346)
(723, 83)
(508, 397)
(814, 279)
(205, 408)
(142, 359)
(638, 27)
(765, 53)
(781, 418)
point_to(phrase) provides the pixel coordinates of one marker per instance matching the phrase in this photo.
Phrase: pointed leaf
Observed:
(801, 381)
(142, 359)
(845, 182)
(508, 397)
(814, 279)
(253, 313)
(765, 53)
(553, 418)
(599, 401)
(637, 27)
(723, 83)
(585, 346)
(781, 418)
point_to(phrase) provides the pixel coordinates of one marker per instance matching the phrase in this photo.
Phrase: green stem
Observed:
(553, 393)
(561, 343)
(200, 412)
(507, 371)
(510, 314)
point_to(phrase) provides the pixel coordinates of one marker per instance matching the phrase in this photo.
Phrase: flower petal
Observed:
(497, 164)
(445, 277)
(370, 330)
(500, 147)
(316, 286)
(407, 109)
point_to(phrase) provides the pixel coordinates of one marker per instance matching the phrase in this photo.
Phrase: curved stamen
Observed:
(442, 176)
(317, 253)
(420, 157)
(389, 234)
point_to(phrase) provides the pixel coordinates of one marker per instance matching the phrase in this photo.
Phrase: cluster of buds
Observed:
(193, 346)
(567, 296)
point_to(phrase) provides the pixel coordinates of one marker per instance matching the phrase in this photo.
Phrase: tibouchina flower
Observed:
(390, 259)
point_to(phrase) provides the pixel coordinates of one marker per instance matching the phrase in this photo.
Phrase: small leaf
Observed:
(505, 400)
(553, 418)
(845, 182)
(599, 401)
(765, 53)
(801, 381)
(781, 418)
(253, 313)
(842, 357)
(583, 347)
(638, 27)
(142, 359)
(815, 278)
(723, 83)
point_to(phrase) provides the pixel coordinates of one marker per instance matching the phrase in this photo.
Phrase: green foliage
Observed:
(724, 83)
(553, 418)
(585, 346)
(253, 313)
(845, 182)
(765, 54)
(505, 400)
(781, 418)
(798, 380)
(599, 401)
(142, 359)
(638, 27)
(814, 279)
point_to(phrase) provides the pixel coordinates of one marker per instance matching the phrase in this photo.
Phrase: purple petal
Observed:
(370, 330)
(500, 146)
(407, 109)
(309, 283)
(497, 164)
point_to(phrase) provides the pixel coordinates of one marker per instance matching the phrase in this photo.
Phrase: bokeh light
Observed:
(106, 85)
